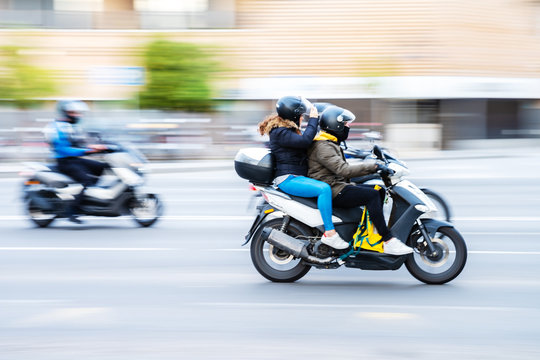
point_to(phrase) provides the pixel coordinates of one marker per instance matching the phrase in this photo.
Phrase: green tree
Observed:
(21, 82)
(179, 77)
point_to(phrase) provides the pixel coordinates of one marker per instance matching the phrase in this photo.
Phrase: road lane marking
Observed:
(76, 316)
(386, 315)
(198, 201)
(497, 218)
(212, 217)
(374, 306)
(140, 249)
(84, 249)
(498, 233)
(172, 217)
(31, 301)
(230, 250)
(65, 248)
(251, 217)
(469, 177)
(496, 252)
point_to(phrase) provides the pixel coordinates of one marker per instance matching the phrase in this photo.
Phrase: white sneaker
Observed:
(396, 247)
(335, 241)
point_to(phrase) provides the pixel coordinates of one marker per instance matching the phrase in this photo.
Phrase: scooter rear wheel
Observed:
(38, 217)
(274, 264)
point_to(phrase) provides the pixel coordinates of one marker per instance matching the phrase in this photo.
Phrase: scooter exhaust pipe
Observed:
(295, 247)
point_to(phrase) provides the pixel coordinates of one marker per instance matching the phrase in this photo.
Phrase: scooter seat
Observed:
(345, 214)
(53, 167)
(363, 179)
(54, 179)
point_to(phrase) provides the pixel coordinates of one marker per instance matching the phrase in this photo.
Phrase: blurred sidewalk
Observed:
(466, 149)
(470, 150)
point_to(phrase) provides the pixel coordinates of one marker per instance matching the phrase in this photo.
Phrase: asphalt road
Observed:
(186, 289)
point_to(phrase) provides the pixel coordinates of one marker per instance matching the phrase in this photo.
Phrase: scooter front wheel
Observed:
(442, 266)
(146, 209)
(275, 264)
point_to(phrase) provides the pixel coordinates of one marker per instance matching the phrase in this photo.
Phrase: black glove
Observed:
(384, 170)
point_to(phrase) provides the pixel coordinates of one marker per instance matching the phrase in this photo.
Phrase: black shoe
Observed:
(75, 219)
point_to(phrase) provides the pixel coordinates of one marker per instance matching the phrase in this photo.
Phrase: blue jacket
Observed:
(289, 147)
(62, 137)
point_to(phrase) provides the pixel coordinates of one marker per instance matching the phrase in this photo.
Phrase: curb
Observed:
(12, 171)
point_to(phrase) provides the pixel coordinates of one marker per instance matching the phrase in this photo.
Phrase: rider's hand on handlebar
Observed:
(384, 170)
(97, 148)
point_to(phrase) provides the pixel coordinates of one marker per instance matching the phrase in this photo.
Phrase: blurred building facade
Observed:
(426, 73)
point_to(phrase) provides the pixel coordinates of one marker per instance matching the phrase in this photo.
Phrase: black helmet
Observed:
(292, 108)
(64, 107)
(333, 121)
(321, 106)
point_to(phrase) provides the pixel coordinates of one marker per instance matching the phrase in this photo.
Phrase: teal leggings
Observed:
(308, 187)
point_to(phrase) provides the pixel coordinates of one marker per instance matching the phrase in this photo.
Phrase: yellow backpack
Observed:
(365, 238)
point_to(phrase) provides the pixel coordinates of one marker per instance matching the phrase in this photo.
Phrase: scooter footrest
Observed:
(367, 260)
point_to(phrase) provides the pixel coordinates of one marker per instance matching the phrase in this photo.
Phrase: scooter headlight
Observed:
(128, 176)
(400, 170)
(422, 208)
(138, 167)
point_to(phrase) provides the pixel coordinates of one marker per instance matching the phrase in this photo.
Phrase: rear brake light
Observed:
(31, 182)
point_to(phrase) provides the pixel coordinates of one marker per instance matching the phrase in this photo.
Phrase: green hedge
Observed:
(178, 77)
(22, 83)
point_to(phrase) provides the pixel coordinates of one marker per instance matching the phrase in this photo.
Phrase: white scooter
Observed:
(48, 193)
(285, 235)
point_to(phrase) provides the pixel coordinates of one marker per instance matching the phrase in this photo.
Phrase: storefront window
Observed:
(171, 5)
(78, 5)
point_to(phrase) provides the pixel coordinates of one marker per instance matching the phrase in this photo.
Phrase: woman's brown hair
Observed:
(274, 121)
(264, 124)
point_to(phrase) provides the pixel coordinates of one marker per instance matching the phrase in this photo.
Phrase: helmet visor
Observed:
(305, 106)
(346, 117)
(321, 106)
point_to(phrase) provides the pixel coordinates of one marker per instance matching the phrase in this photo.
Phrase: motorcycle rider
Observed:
(289, 145)
(327, 163)
(67, 142)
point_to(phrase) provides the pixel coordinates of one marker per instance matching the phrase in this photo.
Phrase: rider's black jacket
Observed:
(289, 146)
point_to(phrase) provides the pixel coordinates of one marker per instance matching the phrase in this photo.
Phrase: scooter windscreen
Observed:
(134, 152)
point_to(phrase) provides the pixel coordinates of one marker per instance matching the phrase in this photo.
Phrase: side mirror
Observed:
(377, 151)
(95, 135)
